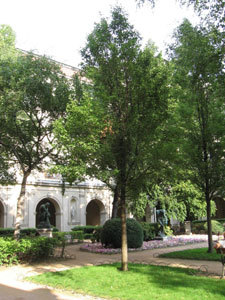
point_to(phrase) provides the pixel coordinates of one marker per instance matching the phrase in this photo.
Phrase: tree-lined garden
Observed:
(151, 129)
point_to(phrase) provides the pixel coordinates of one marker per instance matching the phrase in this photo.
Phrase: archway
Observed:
(95, 213)
(53, 210)
(1, 215)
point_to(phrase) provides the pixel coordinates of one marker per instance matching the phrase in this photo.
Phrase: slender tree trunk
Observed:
(124, 249)
(115, 203)
(20, 205)
(209, 223)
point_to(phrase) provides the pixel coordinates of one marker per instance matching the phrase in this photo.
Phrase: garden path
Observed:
(13, 287)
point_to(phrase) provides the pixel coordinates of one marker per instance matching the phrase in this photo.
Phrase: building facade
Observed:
(84, 203)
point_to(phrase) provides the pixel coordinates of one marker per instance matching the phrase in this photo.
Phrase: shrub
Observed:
(78, 235)
(217, 227)
(6, 231)
(8, 248)
(97, 234)
(23, 232)
(150, 230)
(28, 232)
(27, 249)
(88, 236)
(111, 233)
(34, 249)
(86, 229)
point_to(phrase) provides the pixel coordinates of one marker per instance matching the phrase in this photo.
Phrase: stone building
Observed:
(83, 203)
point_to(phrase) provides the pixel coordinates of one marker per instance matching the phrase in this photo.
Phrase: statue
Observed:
(44, 216)
(73, 213)
(162, 219)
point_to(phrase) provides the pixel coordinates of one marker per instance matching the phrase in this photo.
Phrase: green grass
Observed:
(141, 282)
(196, 254)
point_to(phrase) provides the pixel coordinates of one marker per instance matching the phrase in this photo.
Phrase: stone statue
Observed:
(73, 213)
(44, 216)
(162, 220)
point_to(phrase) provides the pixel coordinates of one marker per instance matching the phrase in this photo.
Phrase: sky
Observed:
(59, 28)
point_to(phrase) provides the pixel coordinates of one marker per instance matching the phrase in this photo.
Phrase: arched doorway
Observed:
(95, 213)
(53, 210)
(1, 215)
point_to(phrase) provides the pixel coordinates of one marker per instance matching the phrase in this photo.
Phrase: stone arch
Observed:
(2, 214)
(54, 209)
(95, 213)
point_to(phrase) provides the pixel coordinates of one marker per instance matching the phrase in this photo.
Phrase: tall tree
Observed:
(199, 73)
(130, 90)
(7, 50)
(213, 11)
(33, 94)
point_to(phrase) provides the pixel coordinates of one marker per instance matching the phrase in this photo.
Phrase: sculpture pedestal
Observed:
(47, 232)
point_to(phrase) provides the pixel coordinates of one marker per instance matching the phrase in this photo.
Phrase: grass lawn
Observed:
(196, 254)
(141, 282)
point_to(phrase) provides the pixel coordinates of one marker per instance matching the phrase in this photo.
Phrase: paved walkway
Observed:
(12, 286)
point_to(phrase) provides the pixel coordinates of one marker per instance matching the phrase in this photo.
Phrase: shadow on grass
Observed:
(173, 278)
(157, 281)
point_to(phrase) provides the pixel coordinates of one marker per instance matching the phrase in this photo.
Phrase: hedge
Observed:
(26, 249)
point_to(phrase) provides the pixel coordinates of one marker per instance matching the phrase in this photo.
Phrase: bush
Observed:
(111, 233)
(28, 232)
(78, 235)
(34, 249)
(23, 232)
(97, 234)
(27, 249)
(86, 229)
(8, 248)
(217, 227)
(150, 230)
(88, 236)
(201, 226)
(6, 231)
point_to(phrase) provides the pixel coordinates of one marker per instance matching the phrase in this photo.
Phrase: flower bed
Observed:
(155, 244)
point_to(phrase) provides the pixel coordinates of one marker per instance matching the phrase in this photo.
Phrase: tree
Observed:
(213, 11)
(33, 93)
(200, 79)
(7, 43)
(129, 89)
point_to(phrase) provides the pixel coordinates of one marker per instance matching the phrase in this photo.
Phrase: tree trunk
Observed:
(115, 203)
(124, 249)
(209, 223)
(20, 205)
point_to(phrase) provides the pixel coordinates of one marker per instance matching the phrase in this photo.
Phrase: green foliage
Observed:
(97, 234)
(217, 227)
(150, 230)
(8, 248)
(4, 232)
(7, 43)
(168, 231)
(28, 249)
(201, 227)
(111, 233)
(34, 249)
(86, 229)
(23, 233)
(79, 235)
